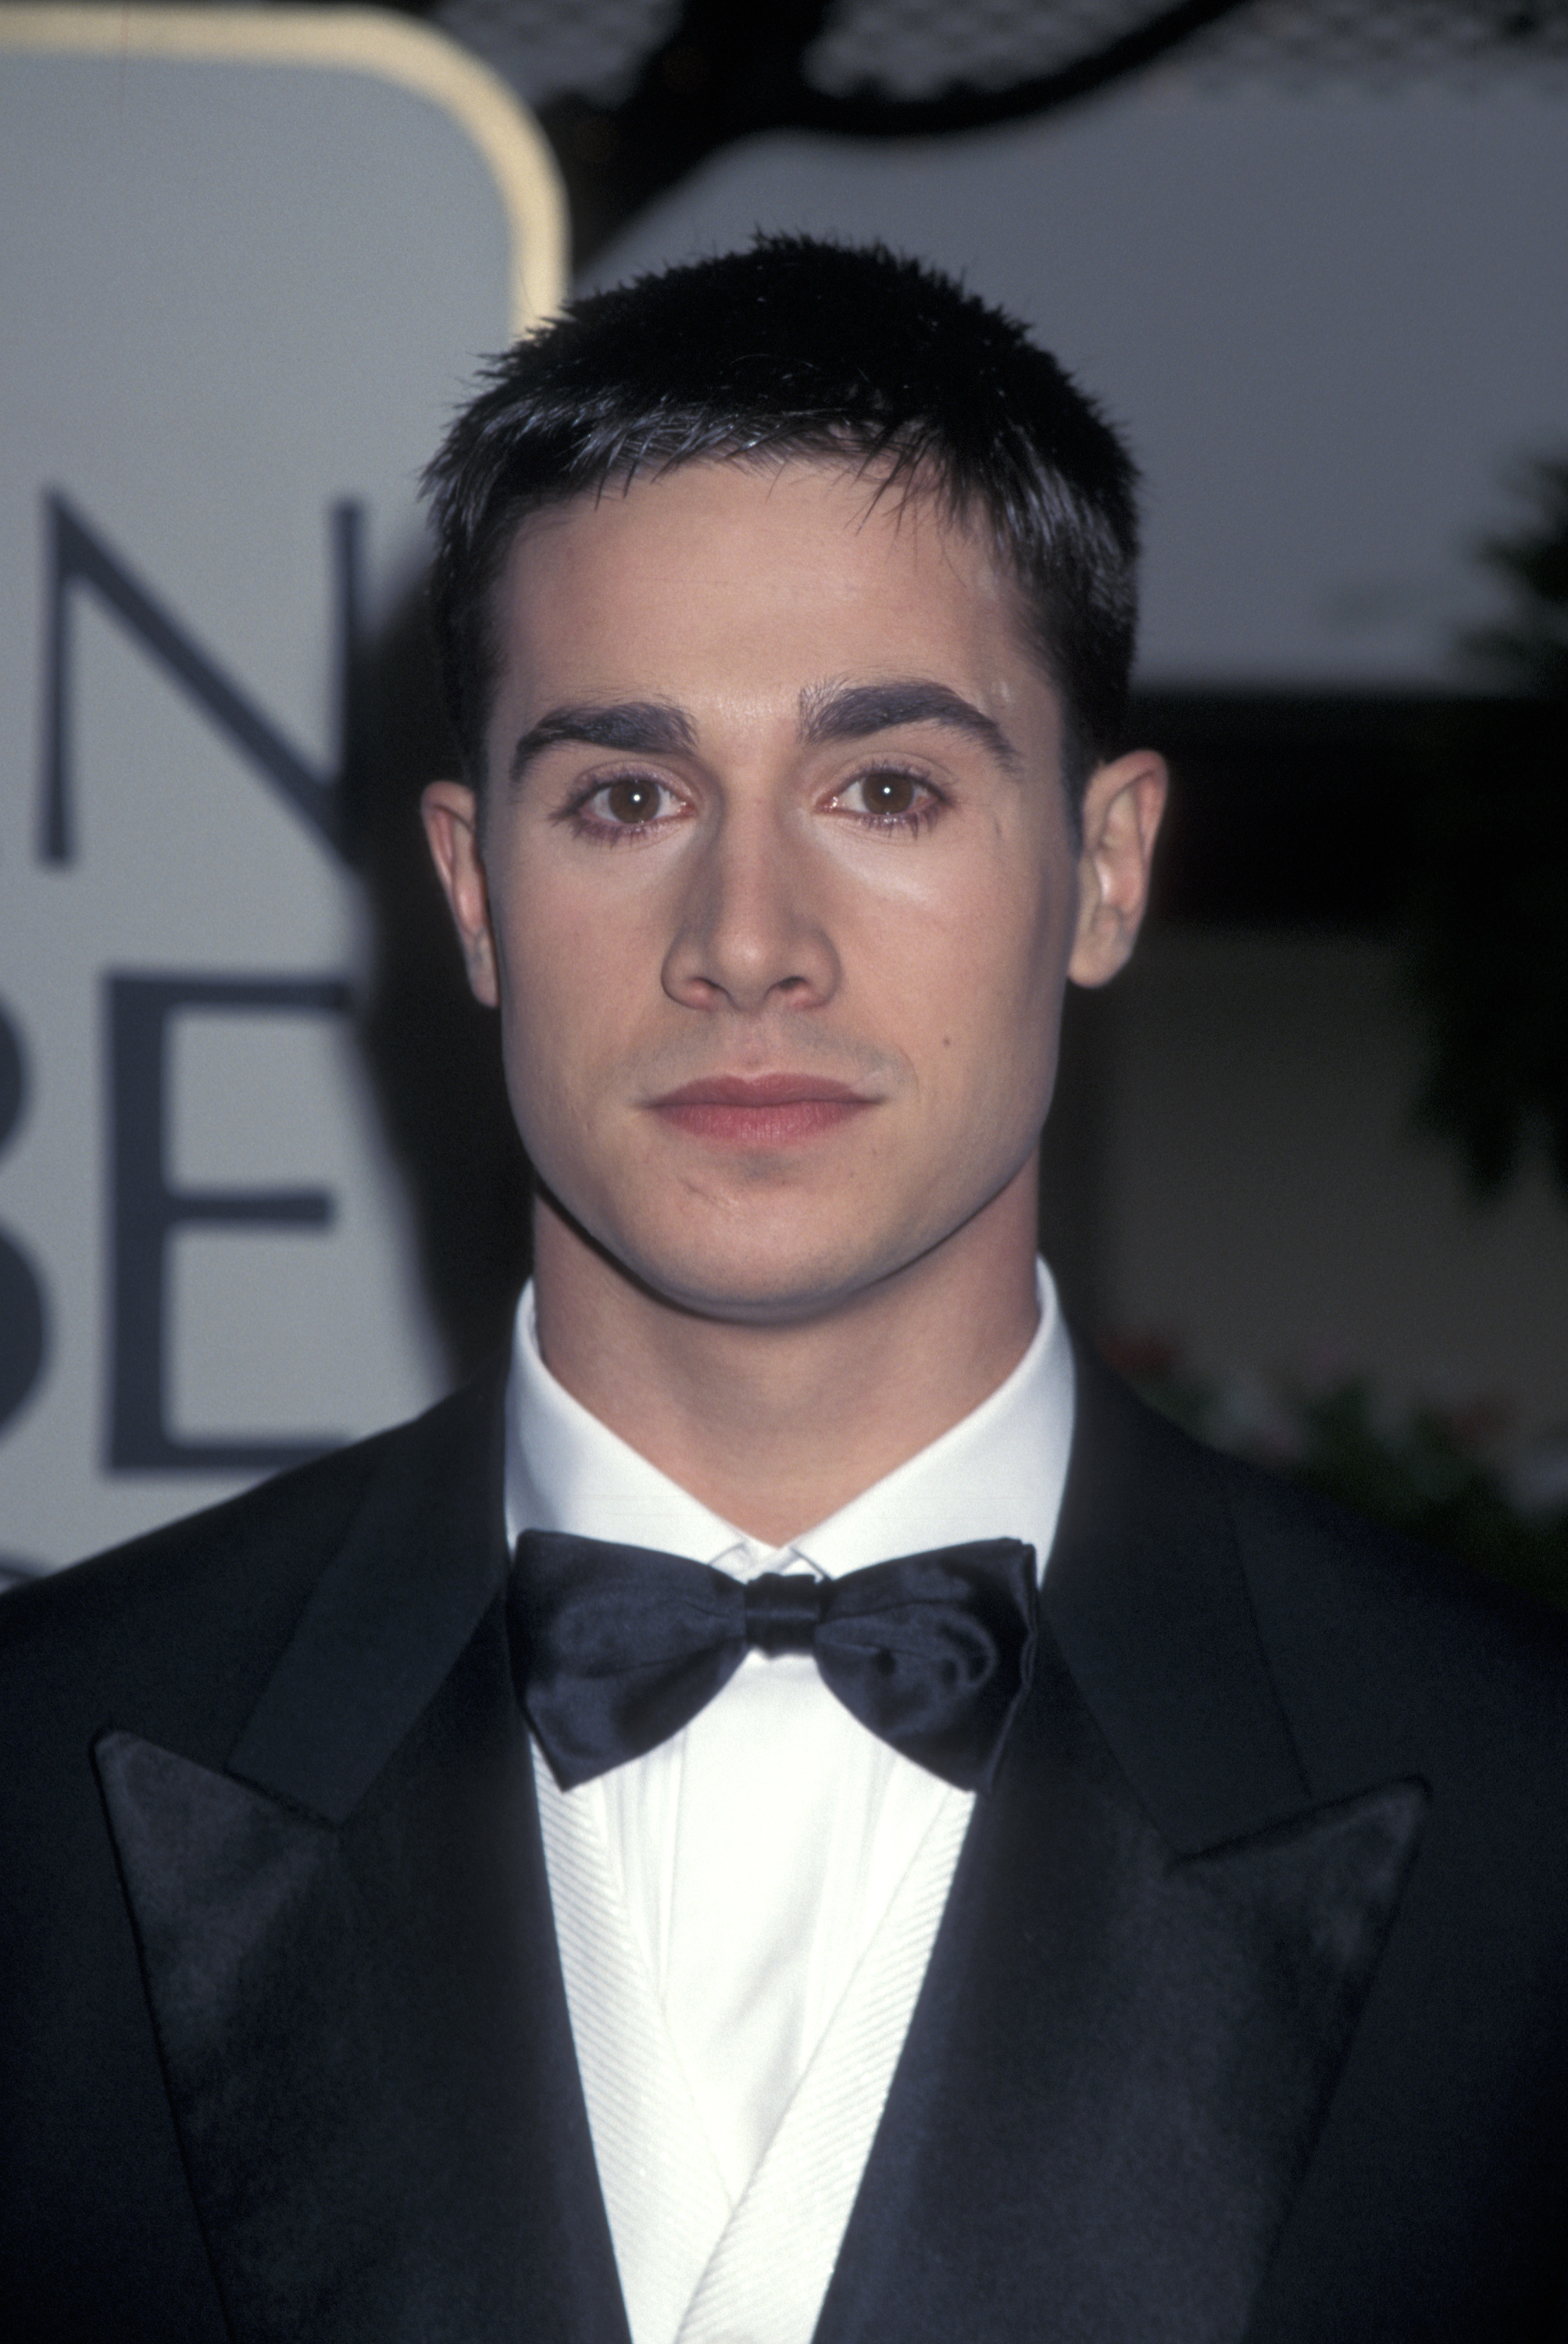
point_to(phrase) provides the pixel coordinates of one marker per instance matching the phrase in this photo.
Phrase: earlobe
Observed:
(451, 811)
(1122, 809)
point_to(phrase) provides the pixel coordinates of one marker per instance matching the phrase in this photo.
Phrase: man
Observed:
(911, 1848)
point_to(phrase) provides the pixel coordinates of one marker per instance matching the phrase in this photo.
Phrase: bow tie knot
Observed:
(783, 1611)
(615, 1648)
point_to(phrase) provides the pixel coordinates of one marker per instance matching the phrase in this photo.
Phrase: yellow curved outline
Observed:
(356, 40)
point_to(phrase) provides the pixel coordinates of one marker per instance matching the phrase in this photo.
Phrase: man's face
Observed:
(777, 893)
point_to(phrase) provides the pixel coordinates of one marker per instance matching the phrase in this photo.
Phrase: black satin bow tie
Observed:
(614, 1648)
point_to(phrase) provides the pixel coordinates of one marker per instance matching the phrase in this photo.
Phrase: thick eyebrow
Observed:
(852, 711)
(638, 728)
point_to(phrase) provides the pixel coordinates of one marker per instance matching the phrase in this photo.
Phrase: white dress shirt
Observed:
(746, 1915)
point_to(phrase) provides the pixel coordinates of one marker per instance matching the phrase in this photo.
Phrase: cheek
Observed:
(543, 979)
(996, 949)
(1000, 1009)
(571, 983)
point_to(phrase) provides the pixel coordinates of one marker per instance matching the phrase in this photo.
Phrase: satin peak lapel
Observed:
(1120, 2063)
(1152, 1963)
(353, 1979)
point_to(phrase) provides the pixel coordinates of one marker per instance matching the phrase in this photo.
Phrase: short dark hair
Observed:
(801, 347)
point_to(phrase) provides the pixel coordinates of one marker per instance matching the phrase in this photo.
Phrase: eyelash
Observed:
(932, 805)
(919, 817)
(582, 825)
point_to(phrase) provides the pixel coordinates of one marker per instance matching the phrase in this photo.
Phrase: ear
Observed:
(1122, 807)
(450, 813)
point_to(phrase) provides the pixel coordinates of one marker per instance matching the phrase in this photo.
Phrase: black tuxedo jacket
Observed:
(1247, 2017)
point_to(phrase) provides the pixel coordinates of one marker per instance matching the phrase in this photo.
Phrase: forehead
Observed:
(767, 576)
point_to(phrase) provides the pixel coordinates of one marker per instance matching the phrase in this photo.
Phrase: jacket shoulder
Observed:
(1386, 1657)
(1380, 1645)
(189, 1620)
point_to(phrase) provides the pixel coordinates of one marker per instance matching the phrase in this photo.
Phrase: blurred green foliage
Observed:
(1489, 933)
(1529, 648)
(1426, 1471)
(1488, 964)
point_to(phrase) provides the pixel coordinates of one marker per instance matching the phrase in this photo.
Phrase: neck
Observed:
(776, 1427)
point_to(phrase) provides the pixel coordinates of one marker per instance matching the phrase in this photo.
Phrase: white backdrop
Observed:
(249, 260)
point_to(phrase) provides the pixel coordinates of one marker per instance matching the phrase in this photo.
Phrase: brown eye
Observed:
(631, 801)
(889, 794)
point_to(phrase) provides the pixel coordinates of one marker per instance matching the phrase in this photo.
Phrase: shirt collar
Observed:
(997, 1473)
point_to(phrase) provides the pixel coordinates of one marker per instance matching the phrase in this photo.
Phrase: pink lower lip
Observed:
(767, 1123)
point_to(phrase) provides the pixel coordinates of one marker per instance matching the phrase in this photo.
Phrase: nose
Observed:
(751, 927)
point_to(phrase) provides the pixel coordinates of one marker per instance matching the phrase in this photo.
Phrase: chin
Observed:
(753, 1293)
(773, 1277)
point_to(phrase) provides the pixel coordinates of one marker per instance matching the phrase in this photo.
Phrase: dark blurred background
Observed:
(1356, 982)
